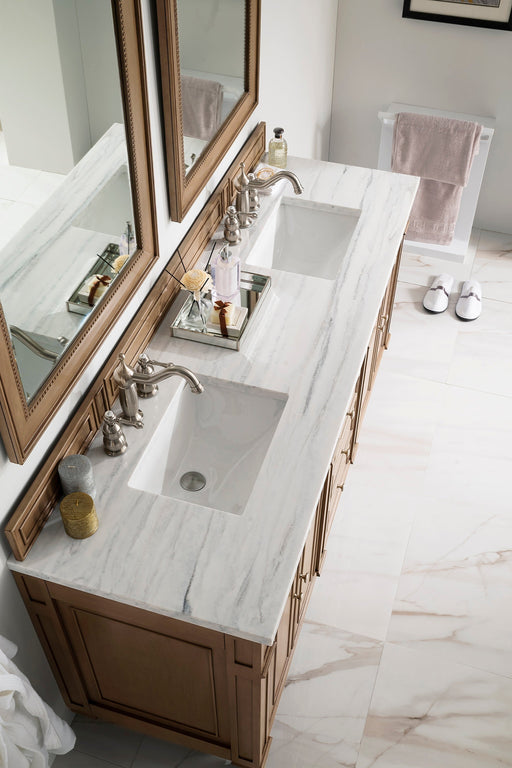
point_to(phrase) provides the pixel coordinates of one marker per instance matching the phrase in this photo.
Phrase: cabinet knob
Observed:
(382, 323)
(298, 595)
(304, 576)
(351, 415)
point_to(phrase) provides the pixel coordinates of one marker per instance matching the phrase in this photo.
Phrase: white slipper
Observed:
(469, 303)
(437, 297)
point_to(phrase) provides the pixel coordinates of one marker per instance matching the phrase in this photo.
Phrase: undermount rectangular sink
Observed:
(223, 434)
(306, 237)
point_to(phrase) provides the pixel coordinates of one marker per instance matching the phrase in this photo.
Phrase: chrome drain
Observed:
(192, 481)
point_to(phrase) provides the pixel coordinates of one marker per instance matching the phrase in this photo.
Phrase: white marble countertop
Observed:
(52, 243)
(231, 572)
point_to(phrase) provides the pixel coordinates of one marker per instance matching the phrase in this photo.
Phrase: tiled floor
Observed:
(405, 659)
(22, 191)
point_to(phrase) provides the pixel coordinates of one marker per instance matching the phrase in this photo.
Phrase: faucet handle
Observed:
(232, 226)
(114, 439)
(123, 373)
(242, 181)
(254, 198)
(144, 365)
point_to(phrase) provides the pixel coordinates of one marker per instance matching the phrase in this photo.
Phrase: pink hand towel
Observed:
(201, 102)
(441, 151)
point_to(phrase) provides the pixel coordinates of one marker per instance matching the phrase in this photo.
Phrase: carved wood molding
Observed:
(37, 503)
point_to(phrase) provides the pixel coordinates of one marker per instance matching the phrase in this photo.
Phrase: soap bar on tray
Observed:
(93, 289)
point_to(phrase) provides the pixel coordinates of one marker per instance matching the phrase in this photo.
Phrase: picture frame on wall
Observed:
(496, 14)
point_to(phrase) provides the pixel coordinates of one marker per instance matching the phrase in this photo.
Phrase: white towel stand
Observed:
(458, 250)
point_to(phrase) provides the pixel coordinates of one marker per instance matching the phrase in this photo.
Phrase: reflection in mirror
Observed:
(211, 36)
(66, 217)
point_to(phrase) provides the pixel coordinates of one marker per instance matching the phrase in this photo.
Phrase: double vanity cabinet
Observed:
(195, 647)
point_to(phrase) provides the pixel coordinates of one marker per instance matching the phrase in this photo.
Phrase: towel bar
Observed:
(459, 250)
(389, 119)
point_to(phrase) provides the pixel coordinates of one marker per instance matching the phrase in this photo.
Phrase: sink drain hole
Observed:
(192, 481)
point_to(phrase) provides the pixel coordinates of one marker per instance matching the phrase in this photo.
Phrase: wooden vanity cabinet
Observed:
(178, 681)
(168, 678)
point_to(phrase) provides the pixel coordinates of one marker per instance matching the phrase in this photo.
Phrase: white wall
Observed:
(32, 97)
(296, 81)
(98, 55)
(296, 72)
(211, 36)
(381, 57)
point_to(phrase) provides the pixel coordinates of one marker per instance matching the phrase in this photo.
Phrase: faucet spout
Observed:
(167, 370)
(127, 379)
(244, 185)
(265, 183)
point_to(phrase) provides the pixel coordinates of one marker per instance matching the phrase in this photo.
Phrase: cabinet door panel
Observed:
(160, 675)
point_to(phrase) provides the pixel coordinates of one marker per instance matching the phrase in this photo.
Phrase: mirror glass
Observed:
(66, 217)
(211, 36)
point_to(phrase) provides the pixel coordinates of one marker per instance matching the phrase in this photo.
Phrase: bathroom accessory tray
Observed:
(253, 289)
(103, 266)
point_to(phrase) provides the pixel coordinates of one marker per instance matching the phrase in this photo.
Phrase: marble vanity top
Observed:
(52, 242)
(229, 572)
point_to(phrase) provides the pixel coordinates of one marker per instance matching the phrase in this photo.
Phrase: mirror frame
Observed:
(184, 188)
(22, 423)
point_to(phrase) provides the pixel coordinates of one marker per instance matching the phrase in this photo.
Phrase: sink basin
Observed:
(223, 434)
(305, 237)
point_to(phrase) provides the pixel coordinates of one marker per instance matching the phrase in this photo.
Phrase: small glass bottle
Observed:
(278, 149)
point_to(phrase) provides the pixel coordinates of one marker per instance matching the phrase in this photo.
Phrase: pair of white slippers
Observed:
(469, 303)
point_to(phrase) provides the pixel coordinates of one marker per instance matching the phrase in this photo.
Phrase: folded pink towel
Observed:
(201, 102)
(441, 152)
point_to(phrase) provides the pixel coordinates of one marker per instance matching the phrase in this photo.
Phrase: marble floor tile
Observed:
(397, 431)
(156, 753)
(13, 218)
(471, 456)
(76, 759)
(358, 585)
(321, 716)
(481, 354)
(369, 511)
(426, 713)
(41, 188)
(15, 181)
(453, 597)
(105, 740)
(420, 270)
(493, 266)
(422, 343)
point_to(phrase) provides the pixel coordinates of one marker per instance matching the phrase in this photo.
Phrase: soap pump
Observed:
(227, 274)
(278, 149)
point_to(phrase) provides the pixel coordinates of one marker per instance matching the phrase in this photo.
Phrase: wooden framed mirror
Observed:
(209, 62)
(74, 122)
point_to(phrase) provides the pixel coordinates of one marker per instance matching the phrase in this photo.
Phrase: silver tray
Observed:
(253, 289)
(102, 266)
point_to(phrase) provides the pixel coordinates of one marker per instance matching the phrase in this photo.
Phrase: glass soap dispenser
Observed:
(226, 275)
(277, 149)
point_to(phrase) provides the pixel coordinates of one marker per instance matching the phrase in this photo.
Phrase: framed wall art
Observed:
(496, 14)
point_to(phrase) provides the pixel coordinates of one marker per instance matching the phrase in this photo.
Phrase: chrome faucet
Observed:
(129, 380)
(244, 185)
